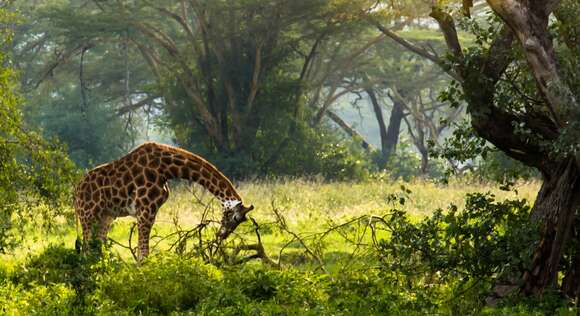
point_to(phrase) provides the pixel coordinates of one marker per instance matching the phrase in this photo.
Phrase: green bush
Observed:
(162, 284)
(56, 264)
(307, 152)
(55, 299)
(489, 240)
(442, 264)
(171, 285)
(550, 303)
(369, 293)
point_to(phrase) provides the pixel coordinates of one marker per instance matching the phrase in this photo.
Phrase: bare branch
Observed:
(134, 106)
(350, 131)
(418, 50)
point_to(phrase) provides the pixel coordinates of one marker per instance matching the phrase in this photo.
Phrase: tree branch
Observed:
(61, 58)
(418, 50)
(350, 131)
(134, 106)
(529, 21)
(447, 26)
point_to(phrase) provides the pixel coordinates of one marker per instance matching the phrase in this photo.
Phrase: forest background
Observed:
(306, 95)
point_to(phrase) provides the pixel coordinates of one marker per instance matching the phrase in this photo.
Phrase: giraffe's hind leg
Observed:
(104, 228)
(95, 230)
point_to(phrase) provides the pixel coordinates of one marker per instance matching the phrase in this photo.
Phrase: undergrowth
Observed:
(389, 261)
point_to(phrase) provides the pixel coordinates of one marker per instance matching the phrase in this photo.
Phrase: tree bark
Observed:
(571, 282)
(558, 201)
(529, 21)
(390, 134)
(394, 128)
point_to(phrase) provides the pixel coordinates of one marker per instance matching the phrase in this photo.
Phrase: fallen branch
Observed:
(259, 248)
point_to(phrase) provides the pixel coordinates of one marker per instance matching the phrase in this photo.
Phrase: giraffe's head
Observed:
(233, 215)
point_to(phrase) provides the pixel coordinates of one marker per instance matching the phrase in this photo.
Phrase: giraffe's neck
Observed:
(179, 164)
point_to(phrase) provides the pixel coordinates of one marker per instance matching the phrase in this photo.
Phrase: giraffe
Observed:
(136, 185)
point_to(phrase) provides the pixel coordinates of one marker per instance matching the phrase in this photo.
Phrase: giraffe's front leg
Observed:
(147, 210)
(145, 223)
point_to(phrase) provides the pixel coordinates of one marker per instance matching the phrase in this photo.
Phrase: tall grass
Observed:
(308, 205)
(305, 199)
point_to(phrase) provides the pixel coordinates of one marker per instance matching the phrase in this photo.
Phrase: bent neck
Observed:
(181, 164)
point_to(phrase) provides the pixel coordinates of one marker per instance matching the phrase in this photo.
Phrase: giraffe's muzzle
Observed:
(231, 219)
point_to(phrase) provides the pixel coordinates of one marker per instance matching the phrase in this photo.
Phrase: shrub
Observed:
(247, 290)
(313, 152)
(162, 284)
(367, 293)
(487, 241)
(56, 264)
(56, 299)
(498, 167)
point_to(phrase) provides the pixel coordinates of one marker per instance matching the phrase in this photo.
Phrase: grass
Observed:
(309, 207)
(352, 285)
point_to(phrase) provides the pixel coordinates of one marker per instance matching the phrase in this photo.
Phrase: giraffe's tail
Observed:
(78, 241)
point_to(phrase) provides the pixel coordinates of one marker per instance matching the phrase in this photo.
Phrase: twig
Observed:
(321, 264)
(130, 247)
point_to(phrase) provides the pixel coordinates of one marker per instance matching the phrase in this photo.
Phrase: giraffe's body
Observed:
(136, 185)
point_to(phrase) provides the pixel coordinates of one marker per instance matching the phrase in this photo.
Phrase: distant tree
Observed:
(221, 61)
(80, 80)
(395, 80)
(230, 79)
(427, 119)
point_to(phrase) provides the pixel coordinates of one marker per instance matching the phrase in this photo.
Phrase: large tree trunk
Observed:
(556, 204)
(571, 282)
